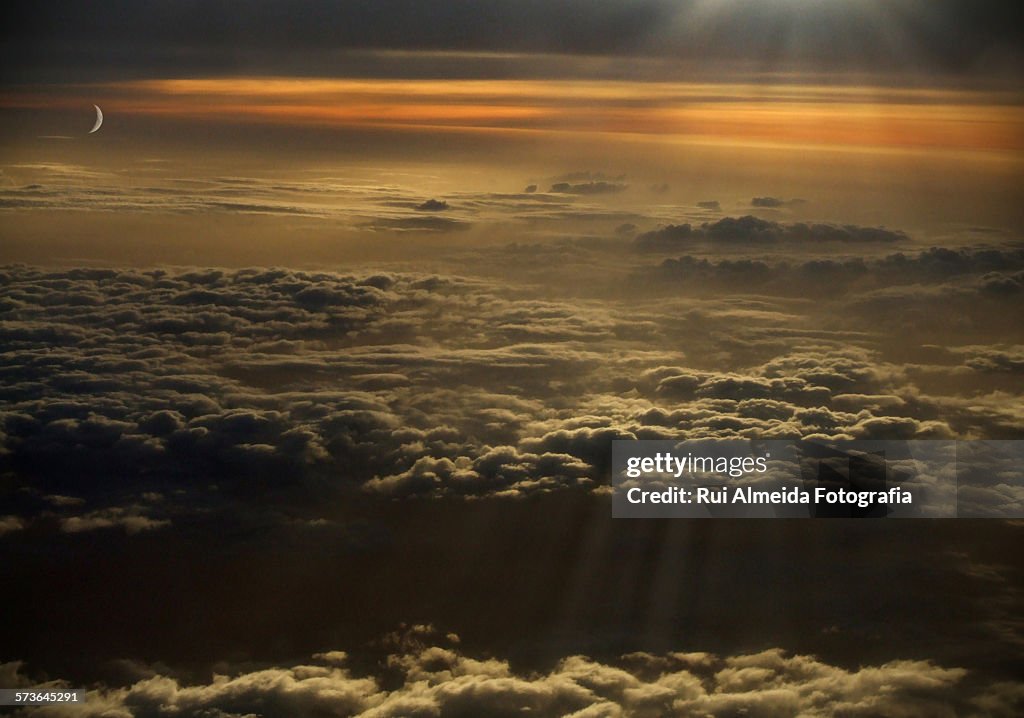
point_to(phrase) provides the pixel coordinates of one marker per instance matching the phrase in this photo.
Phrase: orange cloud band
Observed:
(730, 113)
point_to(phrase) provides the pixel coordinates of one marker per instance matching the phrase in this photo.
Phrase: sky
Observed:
(899, 114)
(313, 353)
(164, 38)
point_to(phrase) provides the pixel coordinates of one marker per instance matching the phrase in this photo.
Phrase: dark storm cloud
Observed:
(126, 38)
(427, 674)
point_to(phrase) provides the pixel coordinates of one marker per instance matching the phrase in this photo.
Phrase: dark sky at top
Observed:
(70, 40)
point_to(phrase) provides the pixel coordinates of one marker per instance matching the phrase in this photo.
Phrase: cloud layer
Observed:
(391, 384)
(426, 674)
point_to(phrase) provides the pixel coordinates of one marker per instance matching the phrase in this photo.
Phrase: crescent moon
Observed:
(99, 119)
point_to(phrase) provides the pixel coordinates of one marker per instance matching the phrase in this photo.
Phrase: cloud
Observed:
(425, 674)
(588, 188)
(9, 524)
(52, 186)
(131, 520)
(1000, 359)
(936, 272)
(167, 396)
(774, 202)
(418, 224)
(750, 229)
(974, 299)
(224, 385)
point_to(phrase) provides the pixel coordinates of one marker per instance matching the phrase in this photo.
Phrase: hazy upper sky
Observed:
(127, 39)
